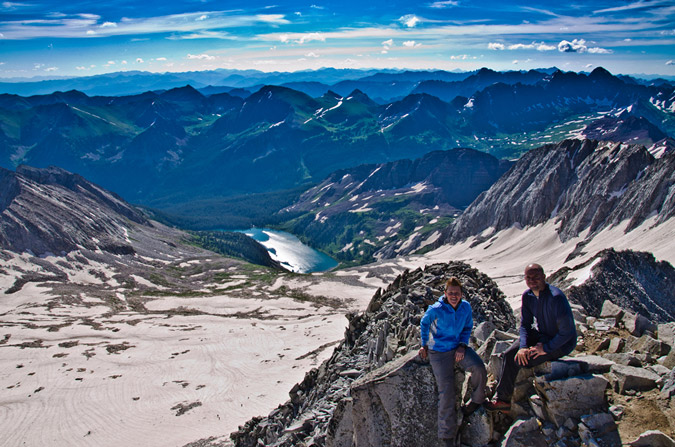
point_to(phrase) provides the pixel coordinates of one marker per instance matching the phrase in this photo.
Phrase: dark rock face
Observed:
(632, 280)
(582, 184)
(388, 330)
(54, 211)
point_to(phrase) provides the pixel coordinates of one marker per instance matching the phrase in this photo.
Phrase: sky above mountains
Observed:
(47, 38)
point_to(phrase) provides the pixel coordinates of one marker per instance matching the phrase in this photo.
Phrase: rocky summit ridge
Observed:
(616, 387)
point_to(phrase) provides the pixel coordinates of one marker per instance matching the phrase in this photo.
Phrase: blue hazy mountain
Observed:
(167, 147)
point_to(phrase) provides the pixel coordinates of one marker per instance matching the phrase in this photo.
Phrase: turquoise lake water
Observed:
(290, 252)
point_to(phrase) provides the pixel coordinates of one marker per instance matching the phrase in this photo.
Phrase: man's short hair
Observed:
(454, 281)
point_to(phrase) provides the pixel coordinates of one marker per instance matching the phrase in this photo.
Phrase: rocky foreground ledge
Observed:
(615, 389)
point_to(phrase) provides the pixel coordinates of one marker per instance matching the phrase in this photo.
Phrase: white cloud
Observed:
(544, 47)
(160, 59)
(202, 56)
(81, 68)
(579, 46)
(410, 20)
(50, 69)
(521, 46)
(90, 32)
(462, 57)
(278, 19)
(596, 50)
(124, 62)
(576, 46)
(109, 25)
(411, 44)
(670, 62)
(388, 43)
(139, 60)
(444, 4)
(496, 46)
(310, 37)
(311, 54)
(202, 17)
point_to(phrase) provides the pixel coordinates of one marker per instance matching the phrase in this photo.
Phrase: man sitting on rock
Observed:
(450, 321)
(547, 332)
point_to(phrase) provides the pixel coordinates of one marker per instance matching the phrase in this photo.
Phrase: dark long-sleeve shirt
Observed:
(554, 320)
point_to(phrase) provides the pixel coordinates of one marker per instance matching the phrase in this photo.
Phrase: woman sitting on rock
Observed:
(445, 328)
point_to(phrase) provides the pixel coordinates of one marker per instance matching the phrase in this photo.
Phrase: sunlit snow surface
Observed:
(289, 251)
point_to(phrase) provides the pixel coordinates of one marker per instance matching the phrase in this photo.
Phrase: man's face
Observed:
(453, 294)
(535, 279)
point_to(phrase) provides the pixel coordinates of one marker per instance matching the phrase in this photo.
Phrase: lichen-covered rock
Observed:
(395, 405)
(571, 397)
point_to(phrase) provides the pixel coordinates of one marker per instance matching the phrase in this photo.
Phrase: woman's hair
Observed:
(453, 281)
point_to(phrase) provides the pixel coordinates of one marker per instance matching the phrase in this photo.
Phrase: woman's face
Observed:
(453, 294)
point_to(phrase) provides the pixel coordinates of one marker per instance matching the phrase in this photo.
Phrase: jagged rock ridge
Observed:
(582, 184)
(634, 281)
(388, 329)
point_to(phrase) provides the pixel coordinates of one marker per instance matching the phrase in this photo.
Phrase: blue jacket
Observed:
(547, 319)
(448, 327)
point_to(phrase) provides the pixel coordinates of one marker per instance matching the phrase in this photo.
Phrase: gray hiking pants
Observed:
(443, 366)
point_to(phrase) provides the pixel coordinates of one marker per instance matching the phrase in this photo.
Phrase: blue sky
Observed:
(81, 38)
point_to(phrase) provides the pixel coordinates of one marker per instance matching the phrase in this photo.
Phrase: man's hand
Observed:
(424, 352)
(459, 353)
(523, 356)
(537, 350)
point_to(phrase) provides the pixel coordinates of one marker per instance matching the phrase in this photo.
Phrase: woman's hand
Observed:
(424, 352)
(459, 353)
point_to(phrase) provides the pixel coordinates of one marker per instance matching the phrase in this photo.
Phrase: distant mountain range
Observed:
(183, 147)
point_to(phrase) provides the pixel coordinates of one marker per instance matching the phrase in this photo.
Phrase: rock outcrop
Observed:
(375, 391)
(581, 184)
(634, 281)
(321, 410)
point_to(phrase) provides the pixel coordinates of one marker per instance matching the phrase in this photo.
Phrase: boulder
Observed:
(616, 345)
(669, 360)
(594, 364)
(524, 433)
(484, 330)
(571, 397)
(637, 324)
(478, 429)
(668, 388)
(627, 378)
(396, 405)
(653, 438)
(649, 345)
(666, 333)
(611, 310)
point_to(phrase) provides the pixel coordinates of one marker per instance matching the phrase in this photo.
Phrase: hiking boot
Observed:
(498, 405)
(469, 408)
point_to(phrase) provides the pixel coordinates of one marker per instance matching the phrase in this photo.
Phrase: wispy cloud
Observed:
(200, 24)
(444, 4)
